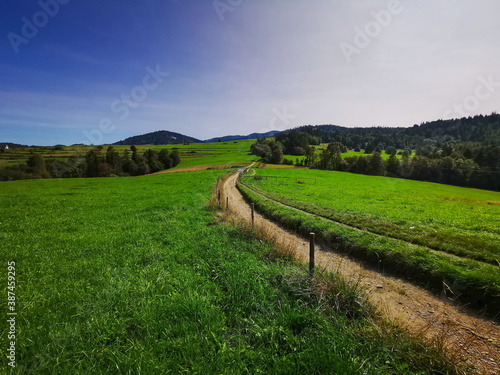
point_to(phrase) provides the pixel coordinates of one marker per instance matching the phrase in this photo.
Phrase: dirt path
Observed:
(196, 168)
(416, 309)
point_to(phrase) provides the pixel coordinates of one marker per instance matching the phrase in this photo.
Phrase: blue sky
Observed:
(100, 71)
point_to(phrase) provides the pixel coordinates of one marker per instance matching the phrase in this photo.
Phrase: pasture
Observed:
(191, 154)
(135, 275)
(410, 217)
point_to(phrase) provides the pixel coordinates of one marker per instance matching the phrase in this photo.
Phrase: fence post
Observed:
(253, 214)
(311, 253)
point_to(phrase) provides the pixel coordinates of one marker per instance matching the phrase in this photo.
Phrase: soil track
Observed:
(197, 168)
(413, 308)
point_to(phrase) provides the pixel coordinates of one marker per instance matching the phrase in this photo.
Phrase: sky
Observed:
(97, 72)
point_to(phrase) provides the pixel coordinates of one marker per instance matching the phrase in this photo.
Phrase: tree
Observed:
(142, 168)
(298, 151)
(362, 166)
(153, 161)
(311, 157)
(270, 151)
(261, 148)
(447, 149)
(130, 167)
(135, 156)
(93, 158)
(376, 163)
(391, 150)
(114, 160)
(36, 165)
(406, 153)
(176, 158)
(421, 169)
(406, 169)
(165, 158)
(369, 148)
(105, 170)
(276, 156)
(331, 158)
(393, 165)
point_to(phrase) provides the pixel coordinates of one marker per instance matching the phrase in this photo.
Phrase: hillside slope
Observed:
(161, 137)
(230, 138)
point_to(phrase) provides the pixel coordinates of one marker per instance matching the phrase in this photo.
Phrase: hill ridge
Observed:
(159, 137)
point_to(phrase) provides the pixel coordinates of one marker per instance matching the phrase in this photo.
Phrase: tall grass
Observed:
(451, 219)
(471, 281)
(137, 276)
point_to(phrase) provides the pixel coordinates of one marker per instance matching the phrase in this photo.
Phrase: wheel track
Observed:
(411, 307)
(366, 230)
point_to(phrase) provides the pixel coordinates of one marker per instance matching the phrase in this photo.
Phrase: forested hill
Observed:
(230, 138)
(161, 137)
(11, 145)
(464, 152)
(481, 129)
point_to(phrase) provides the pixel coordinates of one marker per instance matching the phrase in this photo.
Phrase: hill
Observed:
(11, 145)
(230, 138)
(479, 129)
(161, 137)
(165, 137)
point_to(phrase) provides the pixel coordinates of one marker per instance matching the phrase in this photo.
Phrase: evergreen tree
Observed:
(135, 155)
(151, 158)
(393, 165)
(176, 158)
(114, 160)
(165, 158)
(376, 163)
(92, 159)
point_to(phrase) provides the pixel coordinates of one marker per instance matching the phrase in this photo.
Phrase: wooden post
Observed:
(227, 203)
(311, 253)
(218, 196)
(253, 214)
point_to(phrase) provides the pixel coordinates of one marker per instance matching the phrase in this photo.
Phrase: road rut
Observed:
(409, 306)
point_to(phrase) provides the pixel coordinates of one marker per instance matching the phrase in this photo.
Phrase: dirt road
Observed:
(411, 307)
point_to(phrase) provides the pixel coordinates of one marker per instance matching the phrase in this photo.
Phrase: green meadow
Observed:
(135, 275)
(439, 231)
(192, 154)
(351, 153)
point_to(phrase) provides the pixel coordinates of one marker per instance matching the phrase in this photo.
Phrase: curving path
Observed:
(409, 306)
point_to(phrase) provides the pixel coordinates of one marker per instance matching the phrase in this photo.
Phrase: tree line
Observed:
(484, 130)
(468, 164)
(451, 169)
(95, 163)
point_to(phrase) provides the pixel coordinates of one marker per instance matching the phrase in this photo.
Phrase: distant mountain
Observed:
(11, 145)
(161, 137)
(229, 138)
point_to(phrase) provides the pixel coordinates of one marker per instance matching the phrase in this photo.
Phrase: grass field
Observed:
(362, 153)
(402, 214)
(191, 154)
(137, 276)
(350, 153)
